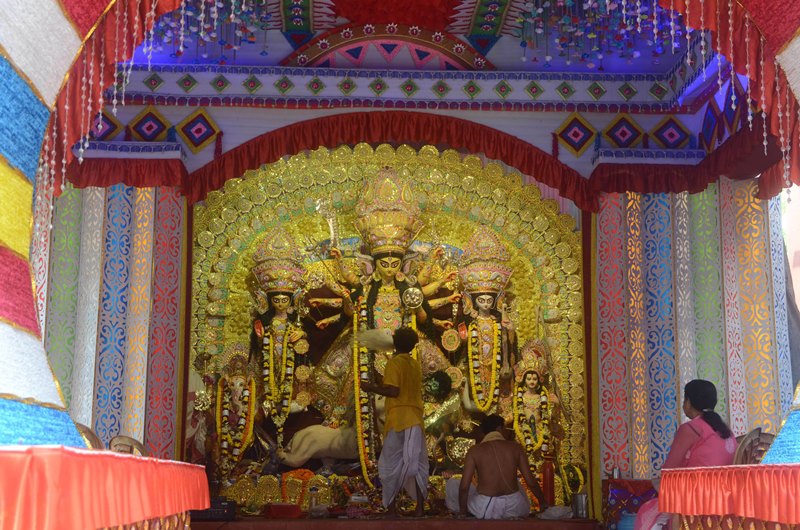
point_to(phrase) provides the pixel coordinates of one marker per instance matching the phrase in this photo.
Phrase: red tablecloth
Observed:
(761, 491)
(54, 487)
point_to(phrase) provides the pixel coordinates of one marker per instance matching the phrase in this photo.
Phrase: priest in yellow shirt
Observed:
(403, 461)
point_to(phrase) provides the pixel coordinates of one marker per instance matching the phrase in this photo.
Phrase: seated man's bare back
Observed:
(496, 461)
(496, 464)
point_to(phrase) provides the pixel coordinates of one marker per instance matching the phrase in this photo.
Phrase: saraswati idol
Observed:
(278, 340)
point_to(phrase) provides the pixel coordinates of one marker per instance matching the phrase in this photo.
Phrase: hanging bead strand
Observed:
(688, 35)
(748, 72)
(730, 51)
(64, 144)
(672, 25)
(719, 48)
(703, 49)
(92, 59)
(84, 53)
(116, 60)
(762, 44)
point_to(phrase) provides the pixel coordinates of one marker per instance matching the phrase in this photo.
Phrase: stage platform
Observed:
(403, 523)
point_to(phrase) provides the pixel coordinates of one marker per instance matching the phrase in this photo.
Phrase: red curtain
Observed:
(777, 21)
(395, 127)
(97, 56)
(138, 172)
(740, 157)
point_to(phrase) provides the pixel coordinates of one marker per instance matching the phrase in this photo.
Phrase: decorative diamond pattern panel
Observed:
(440, 88)
(658, 91)
(623, 132)
(597, 91)
(187, 83)
(534, 90)
(252, 84)
(149, 126)
(105, 126)
(627, 91)
(409, 88)
(153, 82)
(472, 89)
(576, 134)
(315, 86)
(670, 133)
(220, 83)
(378, 86)
(503, 89)
(198, 130)
(565, 90)
(346, 86)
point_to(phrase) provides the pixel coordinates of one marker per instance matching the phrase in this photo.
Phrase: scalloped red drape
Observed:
(741, 156)
(137, 172)
(394, 127)
(777, 20)
(94, 69)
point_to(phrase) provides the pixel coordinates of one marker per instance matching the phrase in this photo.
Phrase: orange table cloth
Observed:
(762, 491)
(49, 487)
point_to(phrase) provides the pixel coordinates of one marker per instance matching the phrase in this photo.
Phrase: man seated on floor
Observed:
(496, 461)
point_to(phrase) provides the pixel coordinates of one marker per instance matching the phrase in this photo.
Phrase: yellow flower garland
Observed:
(359, 366)
(521, 426)
(284, 398)
(484, 404)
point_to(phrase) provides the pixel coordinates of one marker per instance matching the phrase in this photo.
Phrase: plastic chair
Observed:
(92, 440)
(752, 447)
(126, 444)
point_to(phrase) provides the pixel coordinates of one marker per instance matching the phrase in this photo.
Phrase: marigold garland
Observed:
(484, 401)
(279, 398)
(363, 412)
(521, 426)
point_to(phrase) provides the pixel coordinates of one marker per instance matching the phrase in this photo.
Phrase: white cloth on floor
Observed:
(402, 463)
(508, 506)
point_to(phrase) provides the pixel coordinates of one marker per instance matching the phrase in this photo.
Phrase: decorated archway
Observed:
(460, 196)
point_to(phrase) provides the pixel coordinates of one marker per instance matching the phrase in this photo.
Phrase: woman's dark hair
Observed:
(404, 340)
(702, 395)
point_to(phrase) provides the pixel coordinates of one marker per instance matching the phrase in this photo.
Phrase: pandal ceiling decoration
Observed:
(105, 56)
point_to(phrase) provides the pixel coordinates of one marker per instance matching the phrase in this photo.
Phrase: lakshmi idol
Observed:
(489, 333)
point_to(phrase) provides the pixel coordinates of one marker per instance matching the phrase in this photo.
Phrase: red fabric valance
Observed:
(138, 172)
(47, 487)
(740, 157)
(396, 127)
(764, 492)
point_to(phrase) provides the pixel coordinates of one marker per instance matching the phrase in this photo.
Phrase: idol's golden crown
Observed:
(279, 263)
(483, 266)
(387, 213)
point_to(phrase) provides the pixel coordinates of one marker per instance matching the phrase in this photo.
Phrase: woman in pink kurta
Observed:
(705, 440)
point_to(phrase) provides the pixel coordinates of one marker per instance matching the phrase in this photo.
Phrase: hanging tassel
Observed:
(646, 141)
(555, 146)
(128, 133)
(218, 145)
(172, 135)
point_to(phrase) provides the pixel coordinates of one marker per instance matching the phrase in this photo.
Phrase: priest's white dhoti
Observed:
(508, 506)
(402, 463)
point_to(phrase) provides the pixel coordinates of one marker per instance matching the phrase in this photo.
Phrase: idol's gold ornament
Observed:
(484, 274)
(458, 194)
(277, 337)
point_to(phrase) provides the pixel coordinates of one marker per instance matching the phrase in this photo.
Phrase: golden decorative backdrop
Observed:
(458, 194)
